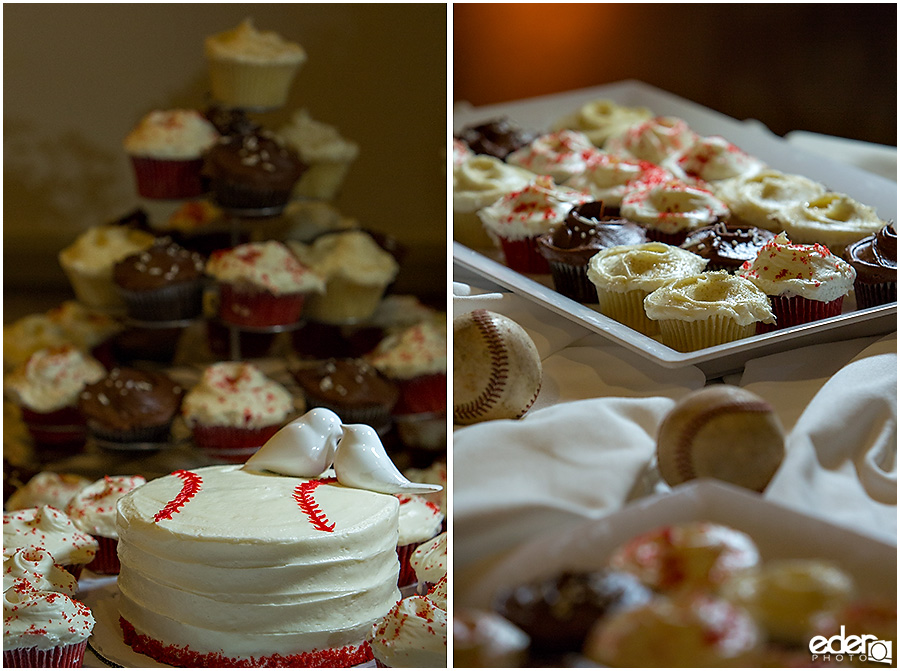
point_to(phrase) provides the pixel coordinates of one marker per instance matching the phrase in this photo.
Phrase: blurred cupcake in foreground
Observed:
(51, 529)
(48, 489)
(253, 173)
(626, 274)
(89, 262)
(321, 147)
(166, 150)
(412, 635)
(569, 247)
(44, 629)
(234, 409)
(483, 639)
(261, 284)
(93, 510)
(161, 283)
(805, 283)
(352, 388)
(706, 310)
(250, 68)
(356, 271)
(874, 258)
(47, 388)
(131, 406)
(520, 217)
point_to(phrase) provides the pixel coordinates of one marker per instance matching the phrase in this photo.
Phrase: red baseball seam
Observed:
(303, 495)
(499, 368)
(189, 488)
(684, 464)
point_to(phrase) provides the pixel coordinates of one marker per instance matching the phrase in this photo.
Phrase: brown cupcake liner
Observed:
(61, 657)
(873, 295)
(378, 416)
(685, 336)
(168, 179)
(523, 256)
(674, 239)
(572, 281)
(172, 303)
(233, 195)
(796, 310)
(140, 434)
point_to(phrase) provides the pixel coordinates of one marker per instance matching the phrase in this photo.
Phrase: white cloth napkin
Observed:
(587, 446)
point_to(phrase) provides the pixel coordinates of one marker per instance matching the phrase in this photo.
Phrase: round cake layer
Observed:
(248, 564)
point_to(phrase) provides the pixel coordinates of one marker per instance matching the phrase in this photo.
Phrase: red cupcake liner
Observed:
(381, 665)
(248, 306)
(795, 310)
(231, 444)
(160, 179)
(106, 561)
(61, 657)
(422, 394)
(62, 430)
(407, 574)
(523, 256)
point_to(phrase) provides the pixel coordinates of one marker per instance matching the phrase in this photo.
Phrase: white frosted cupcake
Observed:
(520, 217)
(327, 154)
(608, 178)
(261, 284)
(251, 68)
(356, 271)
(420, 521)
(166, 149)
(429, 561)
(412, 635)
(49, 489)
(804, 282)
(234, 409)
(625, 275)
(712, 159)
(36, 568)
(89, 262)
(754, 199)
(708, 309)
(479, 181)
(833, 219)
(562, 155)
(653, 140)
(51, 529)
(670, 210)
(93, 510)
(602, 119)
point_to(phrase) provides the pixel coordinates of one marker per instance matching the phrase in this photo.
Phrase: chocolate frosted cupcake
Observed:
(497, 138)
(557, 613)
(352, 388)
(570, 246)
(253, 171)
(874, 258)
(162, 283)
(131, 406)
(727, 247)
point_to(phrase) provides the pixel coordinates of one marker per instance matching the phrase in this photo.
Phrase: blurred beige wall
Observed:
(77, 77)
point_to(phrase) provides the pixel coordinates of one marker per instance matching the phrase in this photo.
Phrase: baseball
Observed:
(722, 432)
(496, 368)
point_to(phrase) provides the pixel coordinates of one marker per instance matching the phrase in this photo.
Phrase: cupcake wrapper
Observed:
(251, 85)
(572, 281)
(407, 574)
(166, 179)
(321, 341)
(523, 256)
(381, 665)
(75, 569)
(62, 657)
(176, 302)
(422, 394)
(254, 308)
(230, 444)
(685, 336)
(141, 434)
(627, 308)
(344, 302)
(233, 195)
(150, 344)
(795, 310)
(106, 561)
(469, 231)
(376, 416)
(872, 295)
(61, 430)
(95, 290)
(674, 239)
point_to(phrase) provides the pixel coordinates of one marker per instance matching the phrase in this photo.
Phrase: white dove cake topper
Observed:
(317, 441)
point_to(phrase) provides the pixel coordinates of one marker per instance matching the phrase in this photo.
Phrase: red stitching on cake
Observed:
(499, 368)
(189, 489)
(303, 495)
(683, 462)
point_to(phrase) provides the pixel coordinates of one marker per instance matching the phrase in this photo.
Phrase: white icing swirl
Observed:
(429, 560)
(98, 249)
(833, 219)
(268, 265)
(53, 378)
(602, 119)
(562, 155)
(673, 206)
(712, 159)
(316, 141)
(420, 349)
(757, 197)
(47, 528)
(93, 509)
(708, 295)
(480, 180)
(608, 177)
(645, 266)
(247, 44)
(420, 520)
(413, 634)
(47, 489)
(653, 140)
(178, 134)
(35, 568)
(353, 255)
(43, 619)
